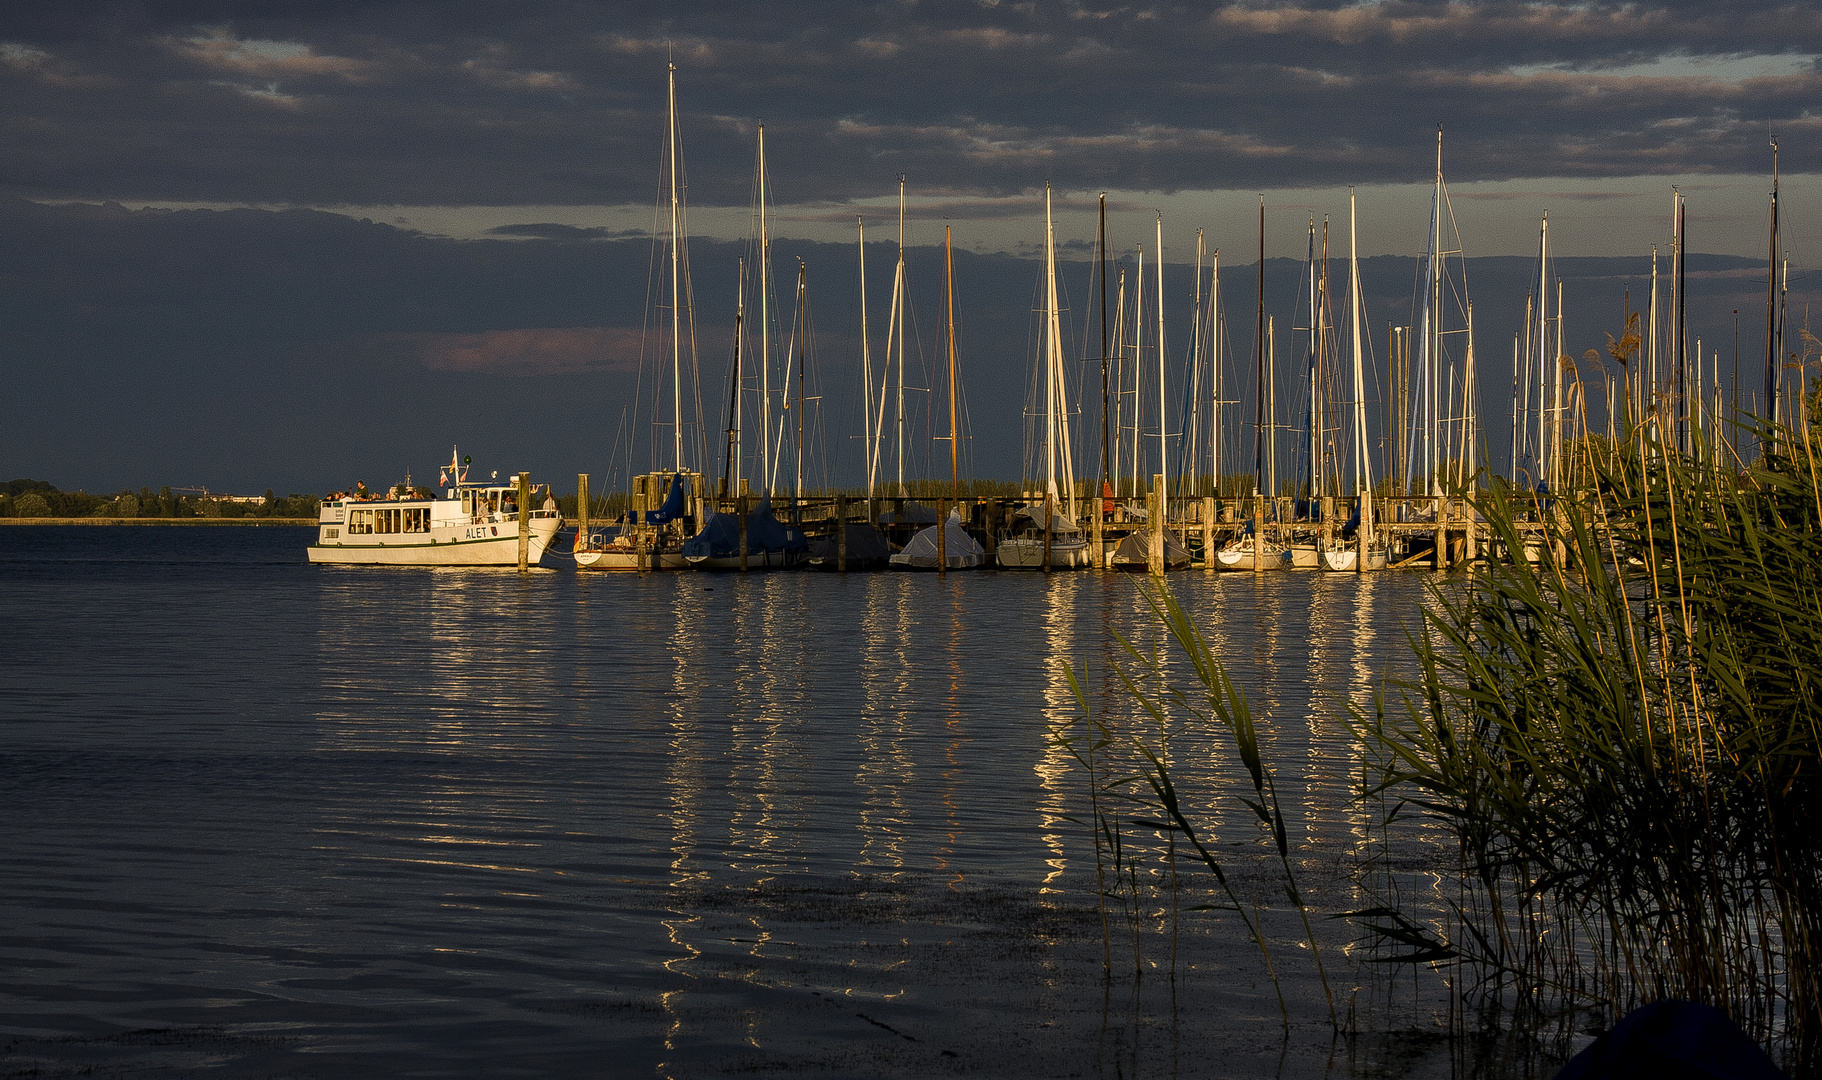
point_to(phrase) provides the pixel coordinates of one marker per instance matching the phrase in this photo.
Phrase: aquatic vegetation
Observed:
(1618, 718)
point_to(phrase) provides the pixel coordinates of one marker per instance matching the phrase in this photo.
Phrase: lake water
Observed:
(269, 819)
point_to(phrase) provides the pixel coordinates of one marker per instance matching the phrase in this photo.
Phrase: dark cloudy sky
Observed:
(264, 336)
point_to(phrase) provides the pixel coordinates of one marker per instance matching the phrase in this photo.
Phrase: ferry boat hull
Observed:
(449, 550)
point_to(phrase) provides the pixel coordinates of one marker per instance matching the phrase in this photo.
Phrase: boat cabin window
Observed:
(360, 522)
(417, 519)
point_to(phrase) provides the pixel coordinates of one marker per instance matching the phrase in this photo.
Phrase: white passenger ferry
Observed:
(466, 525)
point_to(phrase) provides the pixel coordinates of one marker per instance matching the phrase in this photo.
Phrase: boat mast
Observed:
(1119, 388)
(1771, 297)
(1679, 344)
(1163, 426)
(1050, 357)
(802, 332)
(868, 436)
(955, 469)
(898, 305)
(1363, 478)
(1259, 435)
(1433, 330)
(1192, 446)
(1138, 362)
(676, 286)
(765, 326)
(1648, 386)
(1215, 315)
(731, 462)
(1314, 361)
(1102, 251)
(1542, 454)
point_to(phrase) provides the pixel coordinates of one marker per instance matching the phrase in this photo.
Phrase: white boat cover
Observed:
(963, 551)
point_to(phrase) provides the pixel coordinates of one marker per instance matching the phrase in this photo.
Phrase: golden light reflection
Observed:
(951, 601)
(887, 768)
(1054, 765)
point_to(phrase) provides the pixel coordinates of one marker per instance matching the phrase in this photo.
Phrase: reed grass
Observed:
(1622, 736)
(1624, 740)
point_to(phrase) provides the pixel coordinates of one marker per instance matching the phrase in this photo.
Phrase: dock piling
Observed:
(524, 480)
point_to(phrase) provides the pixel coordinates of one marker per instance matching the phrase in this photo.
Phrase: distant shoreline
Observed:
(154, 521)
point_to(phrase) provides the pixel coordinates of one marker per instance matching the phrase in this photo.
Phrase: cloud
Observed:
(550, 230)
(532, 351)
(549, 103)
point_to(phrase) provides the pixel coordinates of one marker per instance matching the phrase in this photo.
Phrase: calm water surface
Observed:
(269, 819)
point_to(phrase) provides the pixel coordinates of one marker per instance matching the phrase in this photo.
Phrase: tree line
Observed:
(40, 498)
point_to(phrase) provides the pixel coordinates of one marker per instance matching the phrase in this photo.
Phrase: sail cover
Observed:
(720, 535)
(673, 505)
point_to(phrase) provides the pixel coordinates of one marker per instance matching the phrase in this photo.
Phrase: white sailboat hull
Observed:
(1022, 553)
(1241, 558)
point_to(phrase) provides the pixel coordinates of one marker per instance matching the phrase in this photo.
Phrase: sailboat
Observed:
(1045, 535)
(652, 538)
(945, 545)
(1366, 554)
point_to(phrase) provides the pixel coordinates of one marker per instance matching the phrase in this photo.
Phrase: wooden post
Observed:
(1208, 532)
(1328, 522)
(524, 522)
(1472, 531)
(1258, 533)
(743, 511)
(1049, 509)
(942, 536)
(581, 510)
(1440, 554)
(1154, 553)
(1096, 546)
(841, 533)
(1360, 533)
(992, 508)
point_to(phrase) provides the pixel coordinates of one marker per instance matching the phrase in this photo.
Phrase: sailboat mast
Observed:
(1192, 452)
(1050, 357)
(868, 435)
(955, 468)
(1542, 447)
(765, 326)
(1215, 315)
(676, 286)
(1433, 340)
(801, 334)
(1259, 435)
(731, 463)
(1771, 298)
(1363, 479)
(1138, 361)
(1101, 243)
(1119, 384)
(1163, 459)
(898, 305)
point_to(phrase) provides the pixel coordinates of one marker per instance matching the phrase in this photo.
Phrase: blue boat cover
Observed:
(720, 535)
(673, 505)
